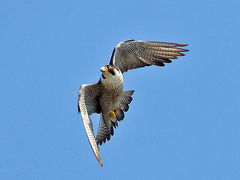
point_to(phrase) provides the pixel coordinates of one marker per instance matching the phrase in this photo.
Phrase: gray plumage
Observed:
(107, 96)
(133, 54)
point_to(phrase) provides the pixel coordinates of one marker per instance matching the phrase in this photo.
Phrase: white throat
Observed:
(112, 81)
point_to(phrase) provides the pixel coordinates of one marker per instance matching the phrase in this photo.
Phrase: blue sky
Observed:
(183, 122)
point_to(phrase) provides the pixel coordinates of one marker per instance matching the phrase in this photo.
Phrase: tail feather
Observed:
(120, 115)
(104, 133)
(125, 99)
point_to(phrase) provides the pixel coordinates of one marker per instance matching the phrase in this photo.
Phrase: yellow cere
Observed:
(104, 69)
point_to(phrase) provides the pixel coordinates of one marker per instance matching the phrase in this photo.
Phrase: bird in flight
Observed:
(107, 98)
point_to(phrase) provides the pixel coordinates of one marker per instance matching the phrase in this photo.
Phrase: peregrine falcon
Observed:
(107, 98)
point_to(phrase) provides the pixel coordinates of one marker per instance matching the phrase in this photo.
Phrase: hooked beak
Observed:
(104, 68)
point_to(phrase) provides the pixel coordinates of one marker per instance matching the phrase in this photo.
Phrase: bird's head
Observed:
(111, 74)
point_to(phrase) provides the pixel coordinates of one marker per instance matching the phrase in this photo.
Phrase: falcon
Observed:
(107, 98)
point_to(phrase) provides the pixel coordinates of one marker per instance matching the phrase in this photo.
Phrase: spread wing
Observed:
(88, 104)
(133, 54)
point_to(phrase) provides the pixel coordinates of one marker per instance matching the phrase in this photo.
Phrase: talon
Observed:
(116, 110)
(112, 114)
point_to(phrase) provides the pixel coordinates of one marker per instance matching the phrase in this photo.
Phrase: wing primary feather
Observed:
(144, 61)
(168, 49)
(182, 45)
(164, 44)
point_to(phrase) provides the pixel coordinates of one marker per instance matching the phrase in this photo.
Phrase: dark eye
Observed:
(111, 71)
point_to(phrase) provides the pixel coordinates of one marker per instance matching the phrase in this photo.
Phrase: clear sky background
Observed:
(183, 122)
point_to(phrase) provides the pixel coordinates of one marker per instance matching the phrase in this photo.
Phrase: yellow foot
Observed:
(112, 114)
(116, 110)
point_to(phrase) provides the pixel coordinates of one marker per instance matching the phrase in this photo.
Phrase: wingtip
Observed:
(182, 44)
(132, 92)
(99, 158)
(181, 54)
(100, 161)
(184, 50)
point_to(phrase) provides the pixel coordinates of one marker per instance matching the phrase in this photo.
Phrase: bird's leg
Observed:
(116, 110)
(113, 113)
